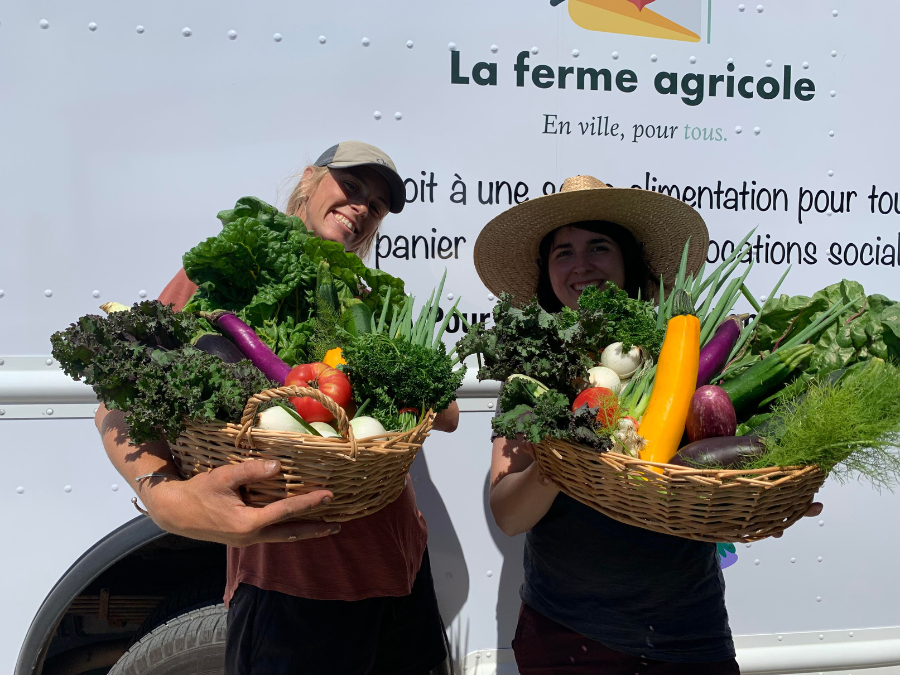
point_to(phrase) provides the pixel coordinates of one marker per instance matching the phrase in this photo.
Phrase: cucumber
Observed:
(764, 378)
(356, 317)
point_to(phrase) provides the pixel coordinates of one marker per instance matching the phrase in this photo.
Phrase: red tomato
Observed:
(330, 381)
(602, 398)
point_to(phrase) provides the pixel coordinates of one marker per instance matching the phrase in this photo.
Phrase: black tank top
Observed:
(633, 590)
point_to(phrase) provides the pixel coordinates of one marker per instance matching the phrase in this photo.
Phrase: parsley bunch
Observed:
(609, 316)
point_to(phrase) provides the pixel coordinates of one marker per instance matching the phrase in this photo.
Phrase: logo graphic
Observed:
(671, 20)
(726, 552)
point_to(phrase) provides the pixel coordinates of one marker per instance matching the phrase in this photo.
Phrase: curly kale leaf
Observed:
(609, 316)
(263, 265)
(549, 417)
(140, 362)
(396, 374)
(529, 341)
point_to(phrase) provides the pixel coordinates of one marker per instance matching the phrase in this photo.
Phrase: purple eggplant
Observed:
(250, 345)
(710, 414)
(724, 452)
(715, 353)
(219, 345)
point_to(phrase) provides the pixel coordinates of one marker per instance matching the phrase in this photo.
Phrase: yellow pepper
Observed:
(334, 357)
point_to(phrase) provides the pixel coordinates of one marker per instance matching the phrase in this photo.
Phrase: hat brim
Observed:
(506, 251)
(395, 183)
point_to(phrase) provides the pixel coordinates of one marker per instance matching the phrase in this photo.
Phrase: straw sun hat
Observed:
(506, 251)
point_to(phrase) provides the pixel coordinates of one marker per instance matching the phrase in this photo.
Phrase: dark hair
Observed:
(637, 276)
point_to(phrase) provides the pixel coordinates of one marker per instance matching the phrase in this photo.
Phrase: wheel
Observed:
(193, 643)
(194, 594)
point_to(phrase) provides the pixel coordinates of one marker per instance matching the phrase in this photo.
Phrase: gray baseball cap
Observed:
(348, 154)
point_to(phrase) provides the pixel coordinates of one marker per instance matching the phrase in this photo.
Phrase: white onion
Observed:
(366, 427)
(277, 418)
(601, 376)
(325, 429)
(624, 365)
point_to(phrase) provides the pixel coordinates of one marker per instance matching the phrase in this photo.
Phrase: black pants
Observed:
(271, 633)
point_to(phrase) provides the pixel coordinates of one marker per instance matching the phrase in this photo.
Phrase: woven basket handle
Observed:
(293, 390)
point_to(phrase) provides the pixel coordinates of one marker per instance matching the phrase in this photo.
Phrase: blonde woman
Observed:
(358, 601)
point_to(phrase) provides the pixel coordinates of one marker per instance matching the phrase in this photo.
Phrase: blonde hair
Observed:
(306, 187)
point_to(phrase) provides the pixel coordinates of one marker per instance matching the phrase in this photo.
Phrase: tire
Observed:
(192, 595)
(193, 643)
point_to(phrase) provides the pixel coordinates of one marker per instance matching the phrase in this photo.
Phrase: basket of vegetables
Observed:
(696, 422)
(291, 349)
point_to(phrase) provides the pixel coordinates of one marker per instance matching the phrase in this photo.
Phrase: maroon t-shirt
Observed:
(372, 556)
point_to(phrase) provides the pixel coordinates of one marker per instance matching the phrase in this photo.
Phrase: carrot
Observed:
(662, 426)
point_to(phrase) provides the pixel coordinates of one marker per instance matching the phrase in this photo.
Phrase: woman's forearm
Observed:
(519, 500)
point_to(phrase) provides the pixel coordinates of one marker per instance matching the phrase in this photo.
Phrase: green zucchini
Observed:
(764, 378)
(325, 290)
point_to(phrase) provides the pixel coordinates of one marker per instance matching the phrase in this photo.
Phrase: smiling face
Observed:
(581, 258)
(347, 206)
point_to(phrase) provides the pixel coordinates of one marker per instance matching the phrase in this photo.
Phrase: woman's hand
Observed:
(520, 495)
(209, 507)
(447, 420)
(814, 510)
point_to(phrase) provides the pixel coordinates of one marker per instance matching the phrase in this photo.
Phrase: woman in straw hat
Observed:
(600, 596)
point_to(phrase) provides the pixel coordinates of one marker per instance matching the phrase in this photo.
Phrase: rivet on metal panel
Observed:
(139, 30)
(756, 130)
(806, 65)
(535, 50)
(818, 598)
(142, 293)
(756, 562)
(449, 296)
(20, 490)
(67, 488)
(95, 410)
(741, 8)
(654, 58)
(377, 115)
(49, 411)
(819, 558)
(763, 297)
(187, 32)
(115, 488)
(833, 93)
(232, 35)
(821, 637)
(576, 53)
(730, 61)
(277, 37)
(831, 133)
(748, 545)
(615, 55)
(96, 294)
(490, 573)
(490, 296)
(398, 115)
(2, 362)
(821, 523)
(738, 130)
(793, 560)
(48, 293)
(92, 26)
(49, 362)
(494, 49)
(1, 293)
(322, 39)
(366, 42)
(851, 633)
(830, 172)
(780, 638)
(44, 24)
(834, 12)
(2, 412)
(490, 405)
(759, 8)
(409, 44)
(768, 63)
(452, 46)
(693, 59)
(487, 655)
(833, 53)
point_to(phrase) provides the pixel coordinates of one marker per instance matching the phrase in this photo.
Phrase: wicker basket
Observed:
(364, 474)
(714, 505)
